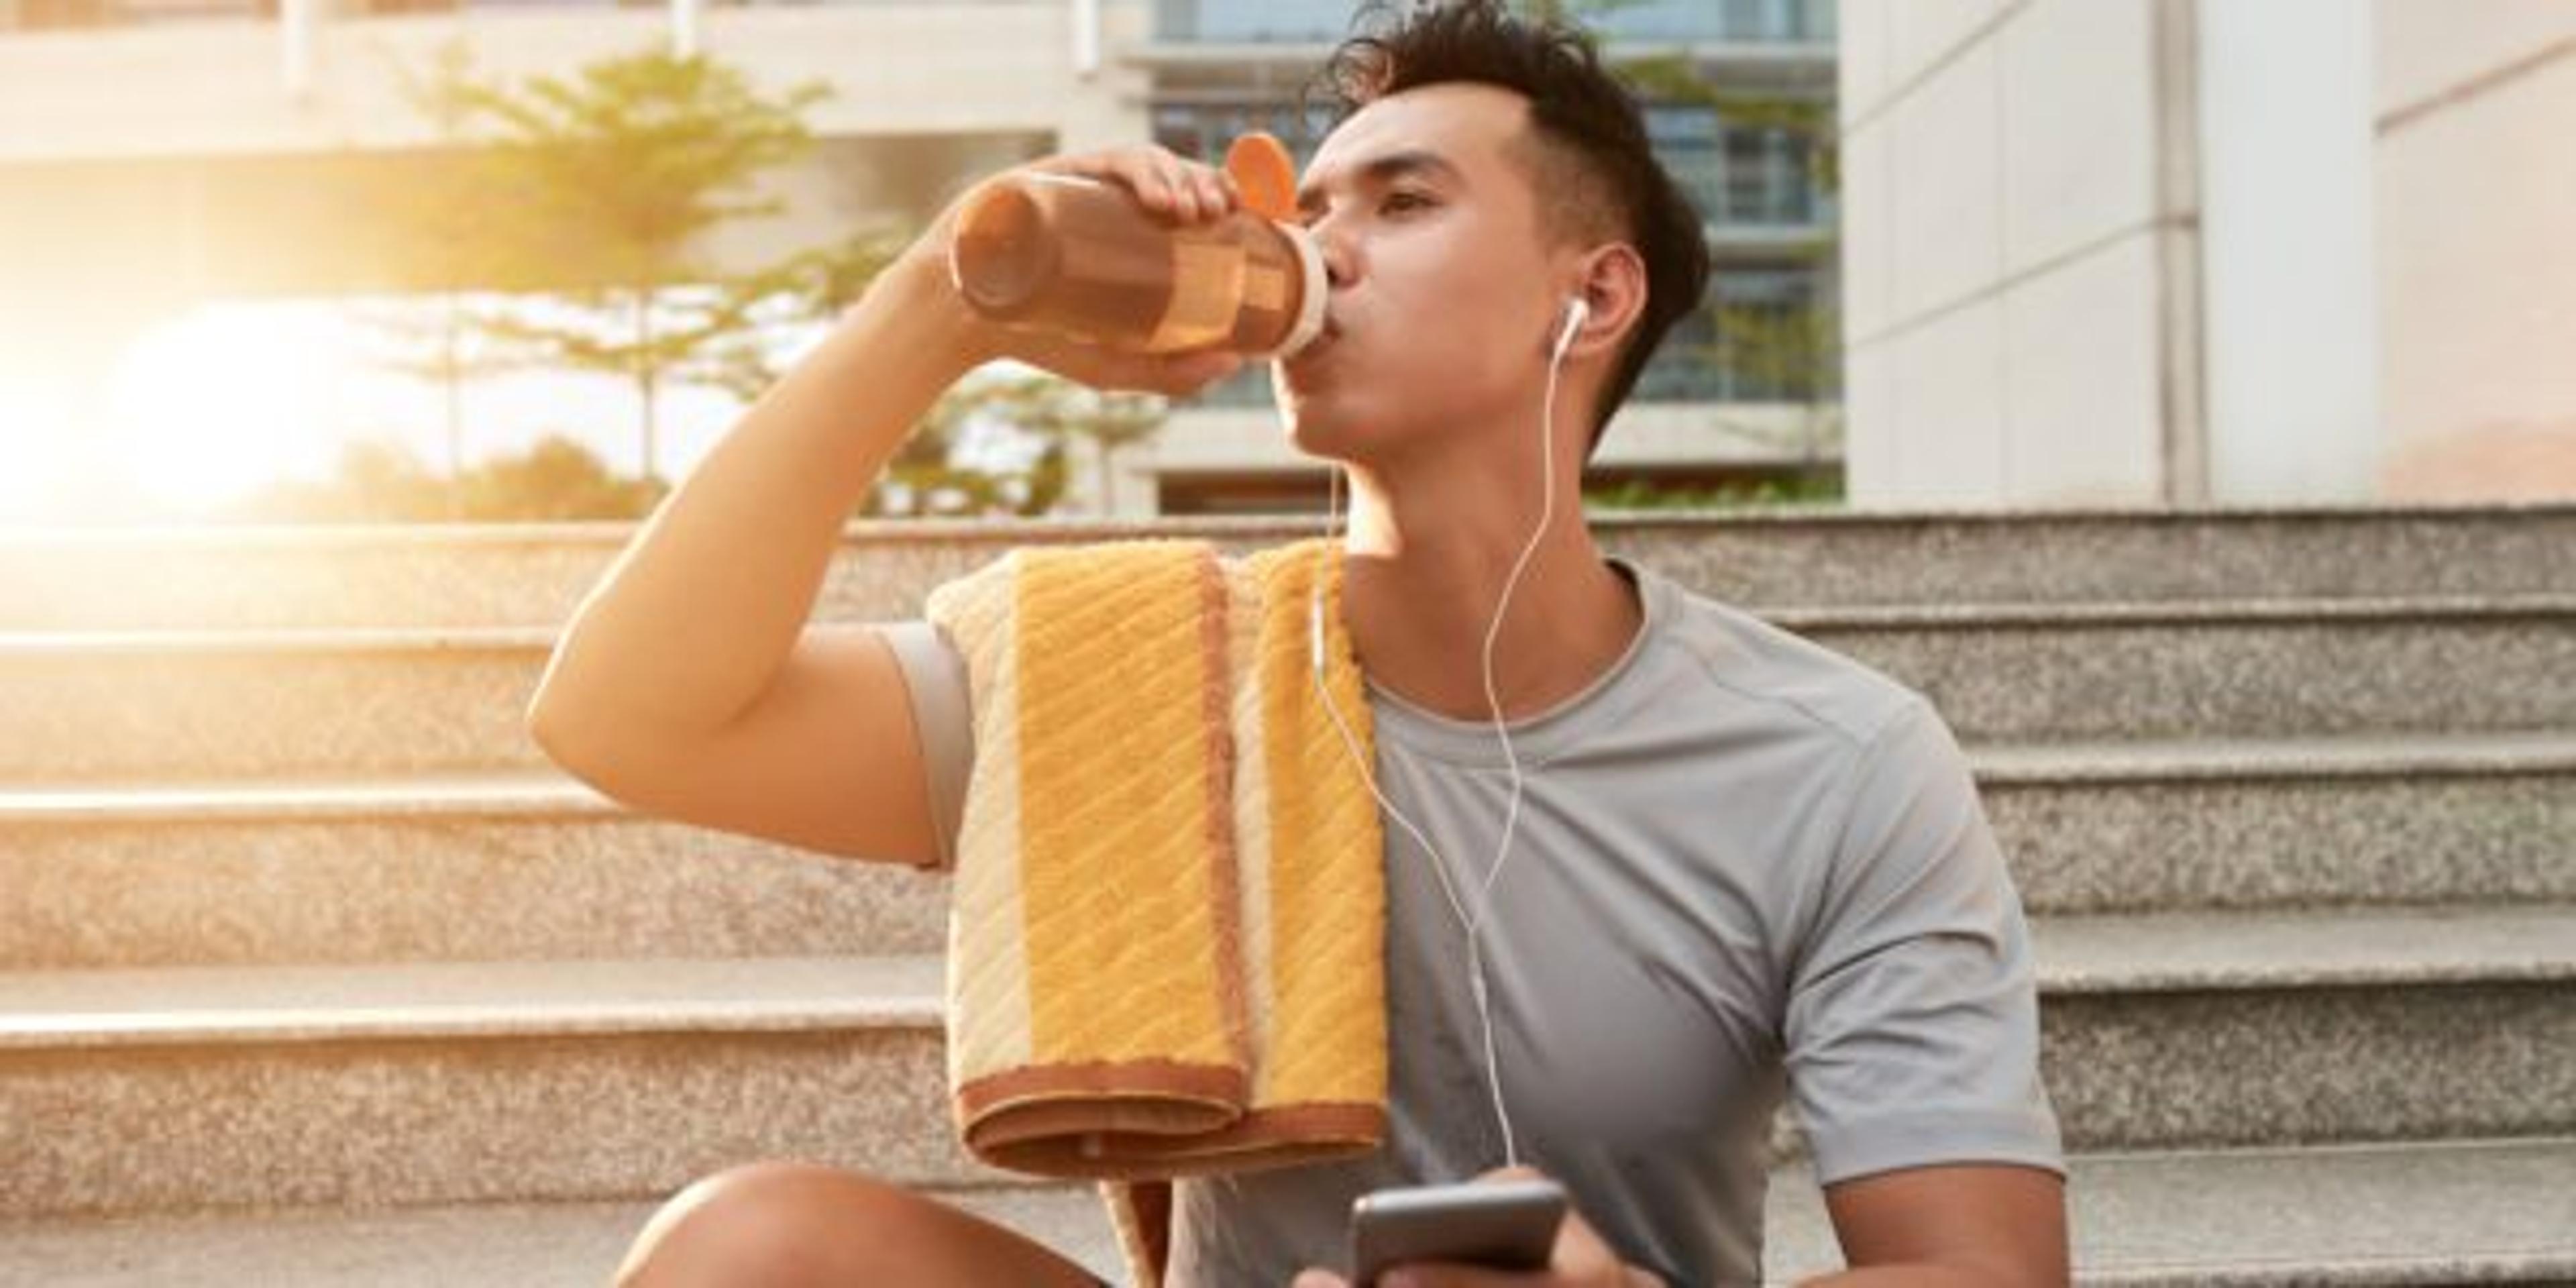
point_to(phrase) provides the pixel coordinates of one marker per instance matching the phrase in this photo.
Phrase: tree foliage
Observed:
(594, 197)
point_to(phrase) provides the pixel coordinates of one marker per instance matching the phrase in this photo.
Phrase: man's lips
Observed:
(1323, 340)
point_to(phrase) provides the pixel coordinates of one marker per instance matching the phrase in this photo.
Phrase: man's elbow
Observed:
(564, 730)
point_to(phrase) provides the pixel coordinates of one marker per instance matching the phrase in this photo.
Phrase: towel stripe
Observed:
(988, 978)
(1125, 960)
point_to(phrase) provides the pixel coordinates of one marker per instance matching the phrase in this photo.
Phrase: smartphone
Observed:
(1500, 1225)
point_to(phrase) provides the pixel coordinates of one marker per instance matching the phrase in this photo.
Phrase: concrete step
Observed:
(88, 708)
(531, 865)
(534, 575)
(2443, 1213)
(2164, 827)
(369, 1085)
(2221, 1029)
(2436, 1213)
(435, 1083)
(485, 867)
(2238, 669)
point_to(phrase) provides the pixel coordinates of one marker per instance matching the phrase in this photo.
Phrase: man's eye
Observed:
(1400, 201)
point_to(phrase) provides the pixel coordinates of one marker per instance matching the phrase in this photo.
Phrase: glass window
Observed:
(1309, 21)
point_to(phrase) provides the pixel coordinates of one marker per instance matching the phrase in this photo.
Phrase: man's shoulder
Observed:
(1771, 668)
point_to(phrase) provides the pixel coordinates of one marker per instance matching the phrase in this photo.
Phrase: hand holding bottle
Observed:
(1130, 268)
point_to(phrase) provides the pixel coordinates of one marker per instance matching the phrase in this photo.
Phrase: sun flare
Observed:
(211, 405)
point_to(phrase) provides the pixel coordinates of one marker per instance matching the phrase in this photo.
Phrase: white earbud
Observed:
(1576, 313)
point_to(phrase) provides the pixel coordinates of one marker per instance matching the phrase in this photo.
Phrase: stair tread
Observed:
(2240, 759)
(2243, 610)
(508, 789)
(2492, 1211)
(2247, 610)
(416, 999)
(2079, 955)
(2162, 952)
(307, 795)
(2496, 1211)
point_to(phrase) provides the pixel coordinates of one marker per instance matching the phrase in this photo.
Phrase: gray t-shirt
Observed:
(1744, 865)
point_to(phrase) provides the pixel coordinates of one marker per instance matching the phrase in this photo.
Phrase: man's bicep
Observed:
(2005, 1225)
(1912, 1025)
(828, 758)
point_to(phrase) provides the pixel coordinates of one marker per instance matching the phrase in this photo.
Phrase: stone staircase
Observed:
(312, 972)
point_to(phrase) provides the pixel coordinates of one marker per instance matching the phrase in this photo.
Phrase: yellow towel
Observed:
(1166, 951)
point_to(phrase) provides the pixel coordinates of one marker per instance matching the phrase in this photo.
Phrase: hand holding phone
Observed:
(1500, 1225)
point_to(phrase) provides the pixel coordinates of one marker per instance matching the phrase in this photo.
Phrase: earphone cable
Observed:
(1470, 924)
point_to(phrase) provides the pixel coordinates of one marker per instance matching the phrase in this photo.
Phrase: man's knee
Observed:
(772, 1225)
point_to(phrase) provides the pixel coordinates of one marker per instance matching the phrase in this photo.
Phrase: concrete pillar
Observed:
(1106, 102)
(2290, 280)
(1086, 38)
(684, 28)
(296, 20)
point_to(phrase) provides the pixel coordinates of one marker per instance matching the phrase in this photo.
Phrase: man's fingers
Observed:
(1164, 182)
(1319, 1279)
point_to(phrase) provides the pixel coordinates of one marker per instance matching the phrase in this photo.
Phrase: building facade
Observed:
(2192, 251)
(159, 153)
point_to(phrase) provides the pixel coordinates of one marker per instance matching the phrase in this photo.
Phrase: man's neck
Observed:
(1426, 576)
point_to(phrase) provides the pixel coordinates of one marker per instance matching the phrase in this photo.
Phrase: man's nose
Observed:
(1341, 259)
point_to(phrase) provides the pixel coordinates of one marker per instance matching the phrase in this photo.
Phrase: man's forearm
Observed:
(698, 613)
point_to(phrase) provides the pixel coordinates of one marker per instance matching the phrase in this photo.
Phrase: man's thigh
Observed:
(783, 1224)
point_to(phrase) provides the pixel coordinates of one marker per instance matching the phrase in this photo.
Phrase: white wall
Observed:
(2476, 192)
(2004, 236)
(921, 68)
(2289, 267)
(2210, 250)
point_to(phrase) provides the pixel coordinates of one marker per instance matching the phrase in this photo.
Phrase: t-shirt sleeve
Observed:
(934, 676)
(1912, 1024)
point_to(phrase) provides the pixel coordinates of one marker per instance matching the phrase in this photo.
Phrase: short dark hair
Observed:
(1594, 161)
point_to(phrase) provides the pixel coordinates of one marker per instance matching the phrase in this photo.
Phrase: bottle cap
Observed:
(1264, 174)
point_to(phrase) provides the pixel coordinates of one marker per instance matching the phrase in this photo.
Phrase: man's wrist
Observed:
(914, 293)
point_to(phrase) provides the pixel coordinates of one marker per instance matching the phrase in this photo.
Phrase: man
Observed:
(1742, 865)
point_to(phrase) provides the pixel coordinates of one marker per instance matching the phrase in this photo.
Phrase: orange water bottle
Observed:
(1082, 257)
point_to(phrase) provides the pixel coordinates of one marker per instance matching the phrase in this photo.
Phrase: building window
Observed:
(1774, 349)
(1326, 21)
(1203, 131)
(1738, 176)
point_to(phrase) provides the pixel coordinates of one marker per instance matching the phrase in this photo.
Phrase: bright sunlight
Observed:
(206, 409)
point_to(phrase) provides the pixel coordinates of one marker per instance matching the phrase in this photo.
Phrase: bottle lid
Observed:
(1264, 173)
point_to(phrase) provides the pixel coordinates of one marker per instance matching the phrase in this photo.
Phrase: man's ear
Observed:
(1612, 286)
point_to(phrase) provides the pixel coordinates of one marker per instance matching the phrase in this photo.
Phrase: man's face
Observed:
(1442, 280)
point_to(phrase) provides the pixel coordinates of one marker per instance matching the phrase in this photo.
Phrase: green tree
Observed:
(615, 177)
(558, 479)
(384, 482)
(431, 212)
(923, 478)
(813, 285)
(1794, 354)
(1069, 413)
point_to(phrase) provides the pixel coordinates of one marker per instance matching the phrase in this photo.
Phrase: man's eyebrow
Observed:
(1385, 169)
